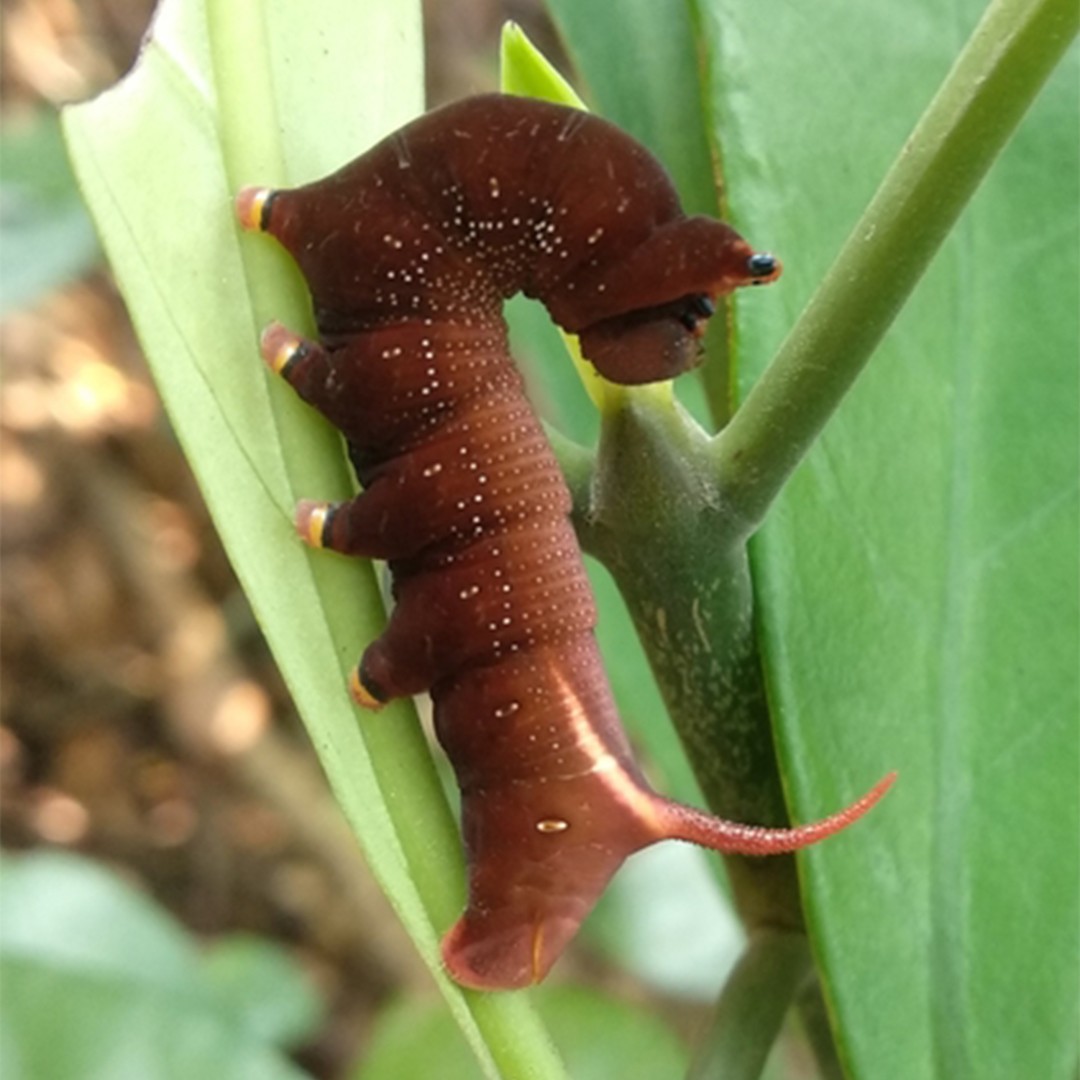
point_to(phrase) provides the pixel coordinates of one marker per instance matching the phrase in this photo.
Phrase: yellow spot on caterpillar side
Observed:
(361, 694)
(552, 825)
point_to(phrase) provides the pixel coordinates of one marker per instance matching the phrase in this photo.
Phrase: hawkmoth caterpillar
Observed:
(409, 253)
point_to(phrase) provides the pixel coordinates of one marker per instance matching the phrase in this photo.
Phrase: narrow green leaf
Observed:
(291, 98)
(524, 70)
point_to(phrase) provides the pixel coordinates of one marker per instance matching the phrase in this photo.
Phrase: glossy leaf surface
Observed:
(917, 581)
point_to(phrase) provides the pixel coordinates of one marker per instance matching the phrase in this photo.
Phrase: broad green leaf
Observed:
(261, 984)
(99, 982)
(916, 584)
(227, 94)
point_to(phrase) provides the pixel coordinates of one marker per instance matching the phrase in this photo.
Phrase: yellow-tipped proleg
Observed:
(252, 204)
(361, 694)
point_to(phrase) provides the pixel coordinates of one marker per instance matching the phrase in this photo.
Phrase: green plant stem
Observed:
(655, 519)
(577, 464)
(752, 1006)
(997, 76)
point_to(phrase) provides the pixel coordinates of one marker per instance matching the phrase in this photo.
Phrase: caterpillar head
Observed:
(648, 312)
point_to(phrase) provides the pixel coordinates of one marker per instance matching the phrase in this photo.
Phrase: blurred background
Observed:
(143, 721)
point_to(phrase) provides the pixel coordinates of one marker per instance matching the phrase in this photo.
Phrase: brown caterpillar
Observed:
(409, 252)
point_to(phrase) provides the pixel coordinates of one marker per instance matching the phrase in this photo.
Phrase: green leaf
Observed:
(524, 70)
(261, 984)
(666, 920)
(225, 95)
(916, 584)
(98, 982)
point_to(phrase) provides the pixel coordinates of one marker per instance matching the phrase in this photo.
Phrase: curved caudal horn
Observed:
(678, 822)
(527, 899)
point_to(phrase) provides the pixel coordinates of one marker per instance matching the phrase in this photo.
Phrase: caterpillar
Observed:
(409, 253)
